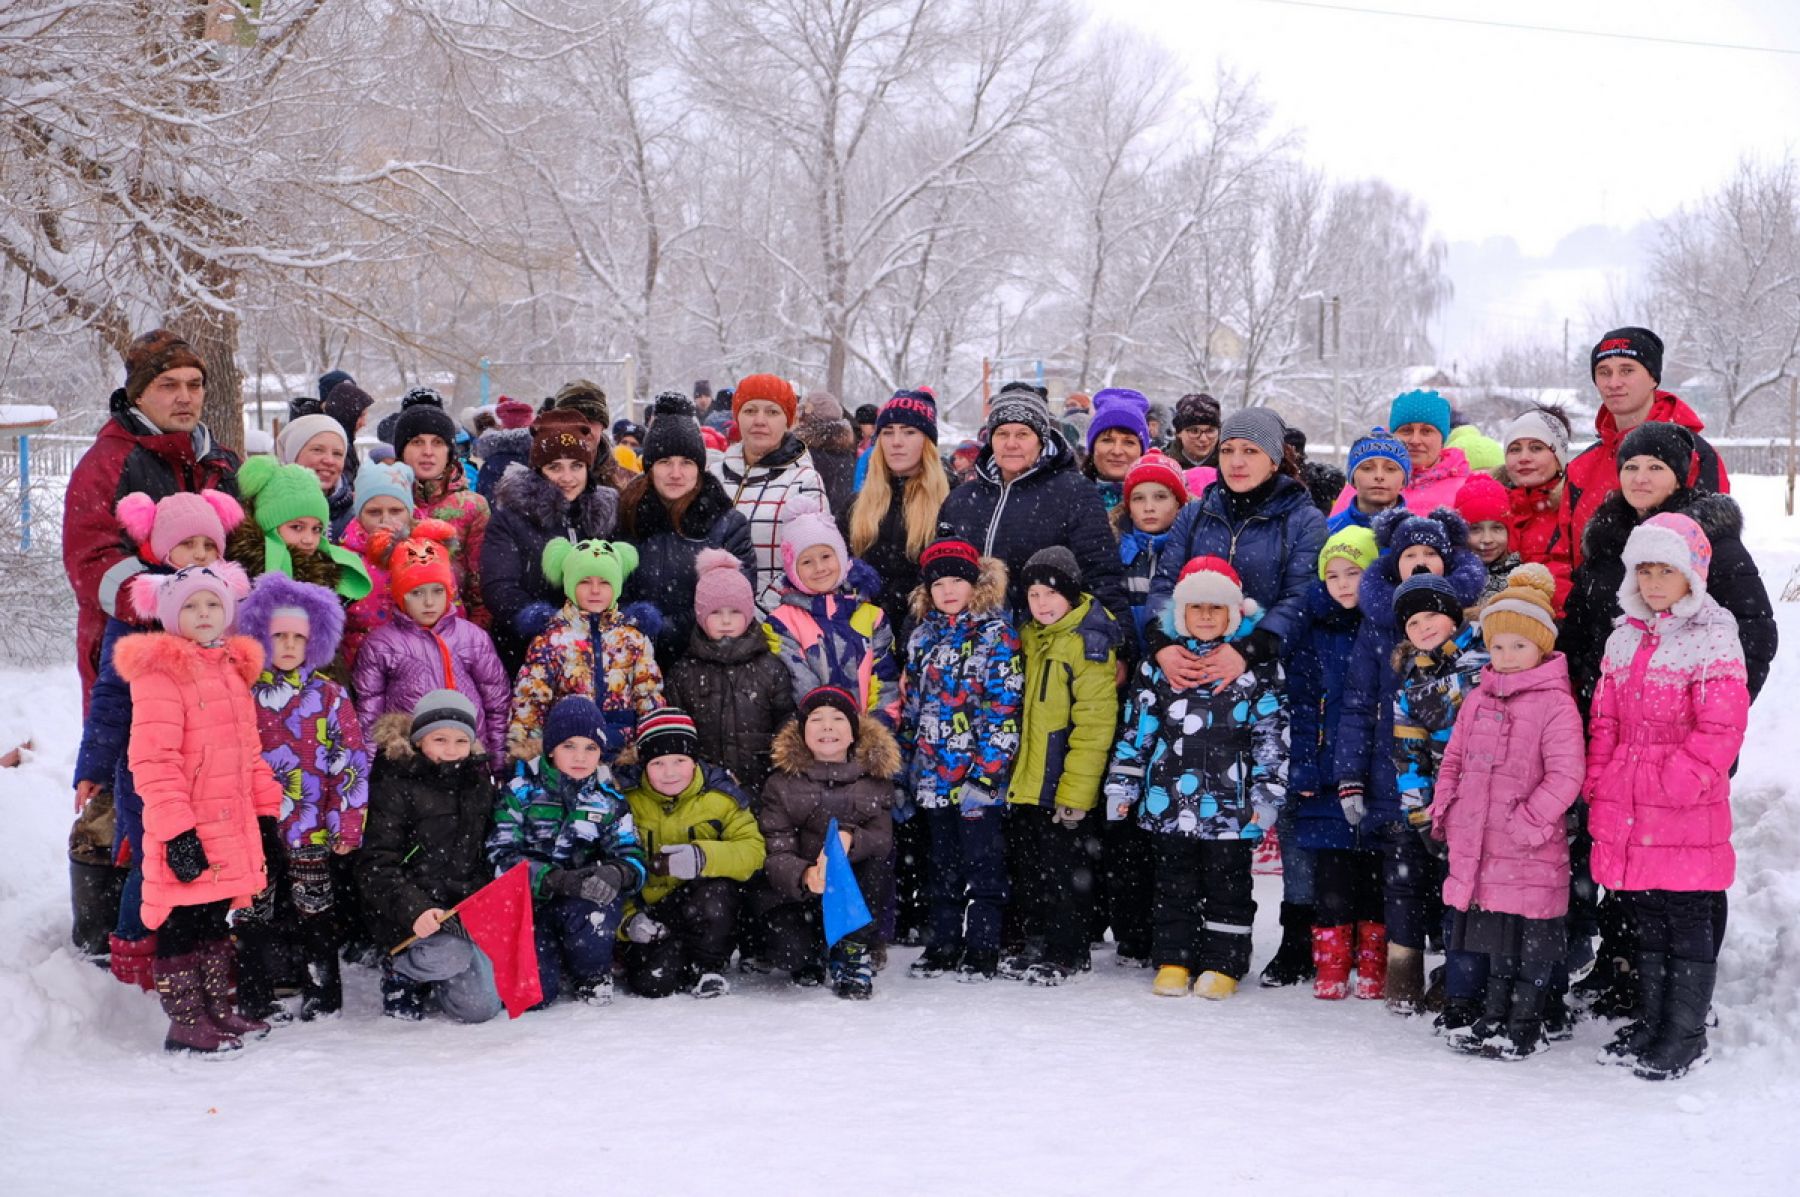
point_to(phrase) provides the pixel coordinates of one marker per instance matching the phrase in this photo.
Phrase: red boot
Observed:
(1331, 962)
(133, 961)
(184, 1001)
(218, 977)
(1371, 961)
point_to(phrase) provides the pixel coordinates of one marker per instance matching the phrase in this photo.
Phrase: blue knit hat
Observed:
(1379, 443)
(576, 715)
(1420, 407)
(1397, 530)
(1118, 407)
(394, 480)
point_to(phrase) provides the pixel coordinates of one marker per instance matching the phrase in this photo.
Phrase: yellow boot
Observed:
(1215, 987)
(1171, 981)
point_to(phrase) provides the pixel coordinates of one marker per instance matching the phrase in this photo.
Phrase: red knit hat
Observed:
(514, 413)
(1212, 581)
(1159, 468)
(767, 388)
(1482, 499)
(419, 560)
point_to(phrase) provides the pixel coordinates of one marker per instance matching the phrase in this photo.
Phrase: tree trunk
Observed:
(214, 336)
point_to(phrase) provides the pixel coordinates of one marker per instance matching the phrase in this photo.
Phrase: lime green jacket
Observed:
(726, 832)
(1071, 708)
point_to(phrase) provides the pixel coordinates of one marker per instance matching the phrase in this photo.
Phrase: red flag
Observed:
(498, 918)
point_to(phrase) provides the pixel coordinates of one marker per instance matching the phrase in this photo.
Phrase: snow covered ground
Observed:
(933, 1086)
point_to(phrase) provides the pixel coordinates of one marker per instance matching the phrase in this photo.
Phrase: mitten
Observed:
(602, 884)
(1433, 844)
(186, 856)
(565, 883)
(1066, 815)
(1350, 797)
(682, 860)
(641, 928)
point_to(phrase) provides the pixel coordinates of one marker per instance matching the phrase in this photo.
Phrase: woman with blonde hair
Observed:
(895, 514)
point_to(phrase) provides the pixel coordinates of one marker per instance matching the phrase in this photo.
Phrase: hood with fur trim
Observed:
(826, 436)
(324, 617)
(1719, 517)
(164, 652)
(1464, 571)
(876, 754)
(392, 733)
(528, 494)
(989, 596)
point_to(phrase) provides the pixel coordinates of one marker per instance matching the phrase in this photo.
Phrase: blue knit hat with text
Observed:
(1379, 443)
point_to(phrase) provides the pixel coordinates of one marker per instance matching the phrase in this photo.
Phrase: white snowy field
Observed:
(931, 1087)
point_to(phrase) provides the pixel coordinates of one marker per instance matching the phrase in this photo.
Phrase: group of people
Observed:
(331, 695)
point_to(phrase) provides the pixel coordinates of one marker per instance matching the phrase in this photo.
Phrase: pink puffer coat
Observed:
(1667, 722)
(197, 761)
(1513, 767)
(401, 662)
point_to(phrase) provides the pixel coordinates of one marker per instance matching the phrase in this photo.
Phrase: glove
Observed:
(1350, 797)
(186, 856)
(1067, 816)
(640, 928)
(973, 798)
(1433, 845)
(602, 884)
(681, 860)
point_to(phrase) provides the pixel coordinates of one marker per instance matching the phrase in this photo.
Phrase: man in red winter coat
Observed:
(1626, 366)
(154, 443)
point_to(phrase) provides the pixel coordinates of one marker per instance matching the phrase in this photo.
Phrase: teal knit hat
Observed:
(568, 564)
(1421, 407)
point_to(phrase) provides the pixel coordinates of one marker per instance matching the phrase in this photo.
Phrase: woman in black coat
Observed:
(672, 511)
(557, 494)
(895, 514)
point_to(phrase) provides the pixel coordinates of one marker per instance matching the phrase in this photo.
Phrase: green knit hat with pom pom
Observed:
(611, 561)
(277, 493)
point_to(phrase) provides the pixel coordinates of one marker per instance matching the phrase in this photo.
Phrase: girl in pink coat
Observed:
(1512, 770)
(1667, 722)
(210, 801)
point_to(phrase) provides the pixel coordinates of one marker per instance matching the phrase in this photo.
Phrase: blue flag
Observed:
(845, 910)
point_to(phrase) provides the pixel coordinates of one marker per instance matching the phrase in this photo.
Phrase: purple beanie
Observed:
(1117, 407)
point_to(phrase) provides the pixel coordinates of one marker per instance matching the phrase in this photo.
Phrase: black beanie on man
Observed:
(1639, 344)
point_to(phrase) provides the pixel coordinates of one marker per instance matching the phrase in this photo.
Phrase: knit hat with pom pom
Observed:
(805, 523)
(277, 603)
(721, 585)
(161, 596)
(568, 564)
(1211, 581)
(419, 559)
(1397, 530)
(159, 525)
(1481, 500)
(1525, 607)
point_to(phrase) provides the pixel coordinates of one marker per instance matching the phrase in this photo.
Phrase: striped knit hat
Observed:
(667, 731)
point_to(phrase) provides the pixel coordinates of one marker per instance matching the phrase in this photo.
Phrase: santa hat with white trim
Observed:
(1212, 581)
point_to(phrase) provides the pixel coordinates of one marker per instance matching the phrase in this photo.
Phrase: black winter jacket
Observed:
(528, 513)
(739, 694)
(665, 573)
(887, 556)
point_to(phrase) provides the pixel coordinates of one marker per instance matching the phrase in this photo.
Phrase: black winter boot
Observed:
(1292, 962)
(401, 998)
(1610, 990)
(322, 987)
(936, 960)
(255, 987)
(1680, 1044)
(1456, 1019)
(852, 971)
(1489, 1031)
(1524, 1023)
(1635, 1038)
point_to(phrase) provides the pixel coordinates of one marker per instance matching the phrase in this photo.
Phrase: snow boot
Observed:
(1610, 988)
(401, 998)
(1292, 962)
(1489, 1029)
(1437, 991)
(810, 975)
(1680, 1045)
(255, 988)
(218, 980)
(1635, 1038)
(133, 961)
(1372, 957)
(1524, 1035)
(1405, 987)
(977, 967)
(1015, 963)
(1047, 972)
(1331, 962)
(852, 971)
(179, 986)
(935, 961)
(321, 985)
(592, 991)
(1455, 1021)
(1171, 981)
(710, 985)
(1215, 986)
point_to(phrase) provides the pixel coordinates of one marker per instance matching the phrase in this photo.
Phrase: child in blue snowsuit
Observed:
(960, 721)
(562, 815)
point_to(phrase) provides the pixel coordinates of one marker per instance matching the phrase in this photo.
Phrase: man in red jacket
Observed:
(1626, 366)
(154, 443)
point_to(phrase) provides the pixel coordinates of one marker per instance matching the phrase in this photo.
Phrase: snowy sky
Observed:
(1511, 133)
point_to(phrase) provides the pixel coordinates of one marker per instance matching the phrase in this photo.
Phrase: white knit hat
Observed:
(1539, 427)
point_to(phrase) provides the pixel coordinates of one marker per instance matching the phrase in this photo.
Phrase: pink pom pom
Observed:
(225, 507)
(144, 590)
(137, 515)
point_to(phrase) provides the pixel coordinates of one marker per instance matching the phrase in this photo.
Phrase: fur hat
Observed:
(160, 596)
(277, 603)
(154, 353)
(1426, 591)
(1525, 607)
(158, 525)
(1669, 443)
(1056, 568)
(1481, 500)
(420, 559)
(805, 523)
(441, 709)
(561, 434)
(1261, 427)
(835, 697)
(1420, 407)
(1379, 443)
(1121, 408)
(720, 584)
(1196, 410)
(567, 565)
(393, 480)
(1158, 468)
(1211, 581)
(1539, 426)
(1667, 539)
(667, 731)
(1353, 543)
(765, 388)
(299, 433)
(949, 558)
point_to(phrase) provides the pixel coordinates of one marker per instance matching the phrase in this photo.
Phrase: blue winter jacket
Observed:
(1350, 517)
(1275, 551)
(101, 757)
(1366, 730)
(1318, 666)
(1138, 552)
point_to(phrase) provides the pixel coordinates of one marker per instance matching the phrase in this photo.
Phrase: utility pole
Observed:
(1793, 437)
(1337, 404)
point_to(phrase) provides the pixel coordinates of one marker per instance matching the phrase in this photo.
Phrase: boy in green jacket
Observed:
(703, 845)
(1071, 713)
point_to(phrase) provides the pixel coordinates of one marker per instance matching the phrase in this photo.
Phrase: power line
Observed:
(1359, 10)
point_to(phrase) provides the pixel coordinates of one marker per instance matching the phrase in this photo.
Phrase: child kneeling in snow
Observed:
(210, 802)
(423, 851)
(562, 815)
(831, 762)
(314, 744)
(703, 844)
(1666, 726)
(1205, 770)
(1513, 768)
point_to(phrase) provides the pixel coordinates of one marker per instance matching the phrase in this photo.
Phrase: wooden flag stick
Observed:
(413, 939)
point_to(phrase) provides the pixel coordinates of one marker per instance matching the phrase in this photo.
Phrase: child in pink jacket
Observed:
(1512, 770)
(1667, 722)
